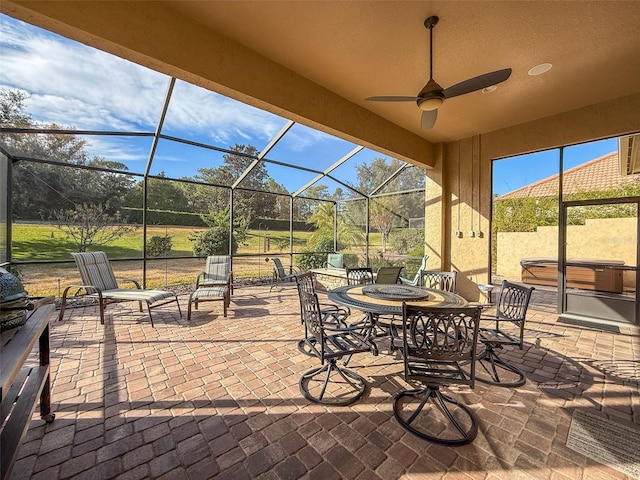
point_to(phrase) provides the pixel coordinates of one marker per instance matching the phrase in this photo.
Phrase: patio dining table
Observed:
(377, 299)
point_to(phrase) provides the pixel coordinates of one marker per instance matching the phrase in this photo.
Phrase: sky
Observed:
(65, 80)
(512, 173)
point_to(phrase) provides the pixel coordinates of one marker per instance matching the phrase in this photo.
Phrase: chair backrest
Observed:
(305, 282)
(445, 281)
(278, 264)
(439, 344)
(95, 270)
(388, 275)
(311, 315)
(359, 275)
(217, 268)
(335, 260)
(513, 302)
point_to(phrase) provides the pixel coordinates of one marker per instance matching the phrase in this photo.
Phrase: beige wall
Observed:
(465, 172)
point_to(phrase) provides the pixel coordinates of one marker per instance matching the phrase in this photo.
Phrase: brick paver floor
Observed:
(218, 398)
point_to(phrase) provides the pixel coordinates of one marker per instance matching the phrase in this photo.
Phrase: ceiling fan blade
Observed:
(392, 98)
(477, 83)
(429, 119)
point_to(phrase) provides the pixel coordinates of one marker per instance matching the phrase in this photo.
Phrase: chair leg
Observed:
(333, 391)
(179, 309)
(189, 308)
(150, 316)
(103, 305)
(499, 372)
(63, 303)
(436, 431)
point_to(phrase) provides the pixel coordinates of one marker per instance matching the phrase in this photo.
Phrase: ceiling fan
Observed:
(432, 94)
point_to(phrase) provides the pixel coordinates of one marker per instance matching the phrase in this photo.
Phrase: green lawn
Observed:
(45, 242)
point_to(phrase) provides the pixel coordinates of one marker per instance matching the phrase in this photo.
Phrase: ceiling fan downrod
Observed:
(429, 23)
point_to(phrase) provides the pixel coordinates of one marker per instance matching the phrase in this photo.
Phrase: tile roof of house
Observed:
(598, 174)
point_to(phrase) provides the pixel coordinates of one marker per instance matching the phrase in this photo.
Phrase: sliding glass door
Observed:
(599, 263)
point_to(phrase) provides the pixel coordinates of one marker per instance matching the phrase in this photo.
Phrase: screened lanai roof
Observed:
(152, 124)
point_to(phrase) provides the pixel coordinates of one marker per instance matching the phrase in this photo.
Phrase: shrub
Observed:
(404, 240)
(213, 241)
(310, 259)
(159, 246)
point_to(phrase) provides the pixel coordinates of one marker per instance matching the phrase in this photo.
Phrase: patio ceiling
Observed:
(327, 57)
(360, 49)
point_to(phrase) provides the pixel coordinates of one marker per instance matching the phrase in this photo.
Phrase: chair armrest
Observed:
(93, 288)
(330, 307)
(199, 278)
(132, 281)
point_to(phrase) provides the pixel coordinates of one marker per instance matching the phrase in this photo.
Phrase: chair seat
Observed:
(124, 294)
(210, 292)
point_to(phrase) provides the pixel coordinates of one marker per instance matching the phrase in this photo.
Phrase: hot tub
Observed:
(583, 273)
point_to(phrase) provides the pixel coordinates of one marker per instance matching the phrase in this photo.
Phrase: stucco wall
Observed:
(602, 239)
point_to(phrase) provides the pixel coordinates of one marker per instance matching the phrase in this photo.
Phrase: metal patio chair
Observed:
(445, 281)
(438, 346)
(511, 311)
(100, 283)
(359, 275)
(331, 383)
(335, 261)
(214, 284)
(331, 313)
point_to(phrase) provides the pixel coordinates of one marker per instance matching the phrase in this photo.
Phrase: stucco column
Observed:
(436, 223)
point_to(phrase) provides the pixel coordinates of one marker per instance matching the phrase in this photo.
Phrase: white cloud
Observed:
(71, 84)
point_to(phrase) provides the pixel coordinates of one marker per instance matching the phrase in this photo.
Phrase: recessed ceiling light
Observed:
(489, 89)
(540, 69)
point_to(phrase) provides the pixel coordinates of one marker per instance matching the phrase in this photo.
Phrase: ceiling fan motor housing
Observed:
(431, 96)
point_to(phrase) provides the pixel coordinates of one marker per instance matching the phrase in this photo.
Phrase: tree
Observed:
(388, 211)
(161, 195)
(90, 225)
(235, 164)
(39, 189)
(384, 215)
(323, 218)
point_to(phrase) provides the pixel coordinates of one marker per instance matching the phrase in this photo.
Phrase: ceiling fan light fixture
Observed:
(489, 89)
(432, 103)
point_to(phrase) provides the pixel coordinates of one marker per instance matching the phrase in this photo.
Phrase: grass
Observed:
(46, 243)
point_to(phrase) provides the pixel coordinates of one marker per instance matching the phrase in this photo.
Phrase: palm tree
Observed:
(323, 218)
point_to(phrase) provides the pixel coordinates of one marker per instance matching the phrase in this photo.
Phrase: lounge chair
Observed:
(99, 282)
(217, 273)
(279, 273)
(416, 279)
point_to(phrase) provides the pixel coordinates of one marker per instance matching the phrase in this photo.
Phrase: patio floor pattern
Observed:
(218, 398)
